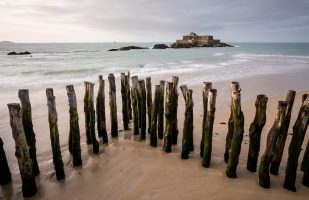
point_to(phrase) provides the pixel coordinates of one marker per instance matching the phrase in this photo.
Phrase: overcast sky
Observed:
(153, 20)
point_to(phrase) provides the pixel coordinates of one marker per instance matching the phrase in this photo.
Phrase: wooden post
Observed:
(238, 131)
(29, 187)
(28, 128)
(161, 111)
(306, 167)
(187, 139)
(143, 109)
(275, 163)
(234, 89)
(154, 117)
(149, 101)
(100, 106)
(129, 96)
(255, 131)
(299, 131)
(175, 131)
(305, 158)
(125, 109)
(5, 174)
(74, 129)
(94, 142)
(211, 108)
(113, 105)
(54, 134)
(207, 87)
(135, 108)
(167, 147)
(87, 113)
(263, 171)
(70, 88)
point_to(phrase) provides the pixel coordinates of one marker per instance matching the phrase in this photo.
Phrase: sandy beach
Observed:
(130, 169)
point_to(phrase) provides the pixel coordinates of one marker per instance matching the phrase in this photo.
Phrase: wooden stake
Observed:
(100, 106)
(255, 131)
(29, 187)
(135, 108)
(95, 143)
(125, 109)
(129, 96)
(207, 87)
(175, 131)
(234, 89)
(299, 131)
(87, 113)
(28, 128)
(70, 88)
(211, 108)
(143, 109)
(113, 105)
(264, 179)
(54, 134)
(149, 101)
(154, 117)
(161, 111)
(306, 167)
(5, 174)
(275, 163)
(169, 119)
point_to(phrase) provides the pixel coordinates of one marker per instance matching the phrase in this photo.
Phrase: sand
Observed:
(130, 169)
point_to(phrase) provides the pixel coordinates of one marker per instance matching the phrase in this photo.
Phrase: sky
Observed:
(153, 20)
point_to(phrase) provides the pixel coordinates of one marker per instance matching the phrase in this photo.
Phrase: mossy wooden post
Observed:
(154, 117)
(5, 174)
(100, 110)
(299, 131)
(305, 158)
(168, 137)
(70, 88)
(94, 142)
(209, 124)
(74, 129)
(28, 128)
(149, 101)
(255, 131)
(207, 87)
(238, 131)
(129, 96)
(125, 110)
(234, 88)
(143, 109)
(161, 111)
(54, 134)
(87, 113)
(175, 94)
(29, 187)
(187, 139)
(306, 167)
(275, 163)
(113, 105)
(263, 170)
(134, 97)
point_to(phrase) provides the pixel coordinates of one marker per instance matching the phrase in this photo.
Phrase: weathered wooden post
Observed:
(70, 88)
(74, 129)
(167, 147)
(299, 131)
(100, 106)
(211, 108)
(234, 89)
(187, 139)
(129, 96)
(255, 131)
(113, 105)
(276, 160)
(135, 108)
(154, 117)
(263, 171)
(28, 128)
(95, 143)
(175, 131)
(125, 109)
(5, 174)
(143, 109)
(161, 111)
(238, 131)
(29, 187)
(305, 158)
(87, 113)
(306, 167)
(207, 87)
(149, 101)
(54, 134)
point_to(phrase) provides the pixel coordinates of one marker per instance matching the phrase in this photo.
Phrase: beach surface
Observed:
(130, 169)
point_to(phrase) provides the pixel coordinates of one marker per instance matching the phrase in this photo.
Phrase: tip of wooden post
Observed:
(100, 77)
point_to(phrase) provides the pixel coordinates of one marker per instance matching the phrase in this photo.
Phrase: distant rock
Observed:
(6, 42)
(160, 46)
(20, 53)
(127, 48)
